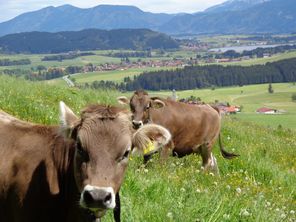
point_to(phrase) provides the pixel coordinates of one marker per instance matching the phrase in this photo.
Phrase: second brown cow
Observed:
(194, 128)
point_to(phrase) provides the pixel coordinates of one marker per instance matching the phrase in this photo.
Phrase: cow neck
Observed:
(63, 156)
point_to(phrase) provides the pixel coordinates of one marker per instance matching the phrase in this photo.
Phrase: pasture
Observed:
(252, 97)
(119, 75)
(257, 186)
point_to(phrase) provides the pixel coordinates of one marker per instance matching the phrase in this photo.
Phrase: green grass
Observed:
(38, 102)
(80, 61)
(115, 75)
(261, 61)
(257, 186)
(251, 98)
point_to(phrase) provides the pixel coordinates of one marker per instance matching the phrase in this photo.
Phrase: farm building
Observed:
(265, 110)
(227, 109)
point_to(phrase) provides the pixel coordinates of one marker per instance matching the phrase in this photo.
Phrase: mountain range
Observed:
(233, 16)
(234, 5)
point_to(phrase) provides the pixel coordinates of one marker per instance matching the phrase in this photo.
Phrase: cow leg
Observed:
(166, 151)
(209, 162)
(116, 211)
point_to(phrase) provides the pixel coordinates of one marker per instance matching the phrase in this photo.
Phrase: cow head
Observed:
(103, 141)
(140, 105)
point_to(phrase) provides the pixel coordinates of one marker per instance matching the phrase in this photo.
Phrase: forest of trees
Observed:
(142, 54)
(192, 77)
(61, 57)
(42, 73)
(86, 40)
(8, 62)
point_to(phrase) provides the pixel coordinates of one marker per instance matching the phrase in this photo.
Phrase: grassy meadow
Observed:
(119, 75)
(252, 97)
(257, 186)
(38, 102)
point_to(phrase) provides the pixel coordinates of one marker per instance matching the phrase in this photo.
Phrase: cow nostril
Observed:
(108, 198)
(87, 197)
(137, 124)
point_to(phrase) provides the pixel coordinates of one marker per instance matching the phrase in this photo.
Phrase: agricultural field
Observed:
(36, 60)
(257, 186)
(119, 75)
(251, 98)
(261, 61)
(97, 59)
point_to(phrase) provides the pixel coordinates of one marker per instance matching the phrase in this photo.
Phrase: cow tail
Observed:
(224, 153)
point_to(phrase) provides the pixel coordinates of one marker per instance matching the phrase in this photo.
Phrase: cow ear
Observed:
(68, 119)
(123, 100)
(150, 135)
(157, 103)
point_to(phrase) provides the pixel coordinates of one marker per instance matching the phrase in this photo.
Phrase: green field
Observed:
(261, 61)
(257, 186)
(118, 75)
(251, 98)
(80, 61)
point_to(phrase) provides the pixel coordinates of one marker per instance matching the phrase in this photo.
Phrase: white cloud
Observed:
(12, 8)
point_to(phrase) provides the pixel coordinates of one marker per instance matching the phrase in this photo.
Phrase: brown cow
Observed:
(71, 172)
(194, 128)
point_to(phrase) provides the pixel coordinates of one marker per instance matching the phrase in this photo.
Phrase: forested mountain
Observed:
(233, 16)
(215, 75)
(91, 39)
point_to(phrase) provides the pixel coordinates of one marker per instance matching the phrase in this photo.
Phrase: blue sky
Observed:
(11, 8)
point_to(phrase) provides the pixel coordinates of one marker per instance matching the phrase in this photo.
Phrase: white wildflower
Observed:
(226, 216)
(245, 213)
(238, 190)
(170, 215)
(283, 215)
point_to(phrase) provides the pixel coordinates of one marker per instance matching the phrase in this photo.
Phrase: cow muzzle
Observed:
(97, 198)
(137, 124)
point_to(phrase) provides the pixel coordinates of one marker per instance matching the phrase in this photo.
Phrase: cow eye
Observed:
(125, 155)
(81, 152)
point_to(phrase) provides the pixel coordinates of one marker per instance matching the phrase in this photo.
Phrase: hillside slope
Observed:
(257, 186)
(90, 39)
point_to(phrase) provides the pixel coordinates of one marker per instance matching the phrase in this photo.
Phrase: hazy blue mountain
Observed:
(90, 39)
(234, 16)
(234, 5)
(70, 18)
(275, 16)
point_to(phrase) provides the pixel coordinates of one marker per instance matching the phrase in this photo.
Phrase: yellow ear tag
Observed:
(150, 147)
